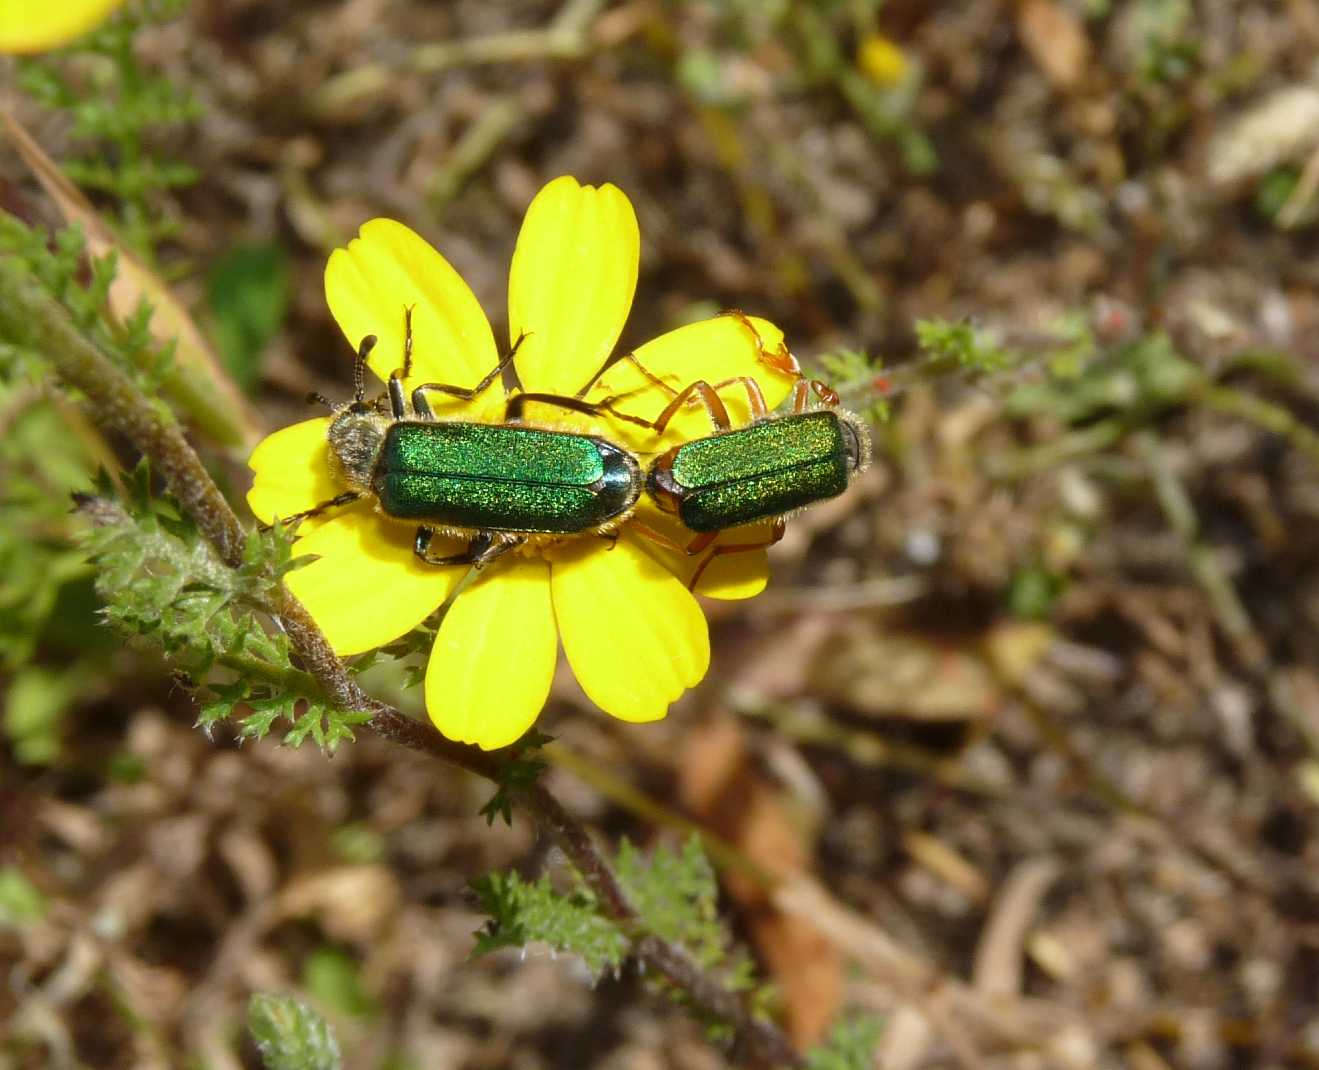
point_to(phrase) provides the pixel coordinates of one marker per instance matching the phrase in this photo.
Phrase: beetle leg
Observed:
(480, 551)
(690, 549)
(781, 360)
(702, 542)
(776, 533)
(517, 402)
(657, 537)
(706, 393)
(346, 498)
(709, 398)
(398, 405)
(490, 549)
(467, 393)
(422, 544)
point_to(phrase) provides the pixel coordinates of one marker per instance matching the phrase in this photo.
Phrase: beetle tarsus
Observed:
(480, 551)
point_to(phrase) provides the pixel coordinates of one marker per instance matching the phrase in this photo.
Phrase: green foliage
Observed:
(60, 262)
(886, 112)
(333, 978)
(42, 460)
(854, 375)
(357, 843)
(34, 707)
(1135, 379)
(1275, 191)
(1033, 591)
(46, 600)
(162, 580)
(290, 1035)
(674, 893)
(523, 912)
(516, 775)
(677, 896)
(1160, 31)
(164, 583)
(122, 110)
(21, 902)
(249, 292)
(815, 35)
(850, 1046)
(962, 345)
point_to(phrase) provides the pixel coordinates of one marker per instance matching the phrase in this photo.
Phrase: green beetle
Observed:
(497, 486)
(767, 470)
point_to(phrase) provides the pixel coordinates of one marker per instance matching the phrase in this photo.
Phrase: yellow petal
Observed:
(493, 662)
(732, 577)
(715, 350)
(571, 284)
(26, 26)
(635, 636)
(370, 283)
(368, 587)
(291, 471)
(729, 577)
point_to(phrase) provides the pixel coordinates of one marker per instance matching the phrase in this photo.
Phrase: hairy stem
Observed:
(31, 318)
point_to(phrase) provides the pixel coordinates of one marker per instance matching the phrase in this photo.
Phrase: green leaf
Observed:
(677, 896)
(290, 1035)
(1033, 592)
(249, 291)
(522, 912)
(516, 775)
(332, 977)
(357, 843)
(35, 706)
(850, 1046)
(328, 726)
(961, 344)
(21, 902)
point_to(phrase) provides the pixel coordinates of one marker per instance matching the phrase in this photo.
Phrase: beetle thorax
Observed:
(356, 437)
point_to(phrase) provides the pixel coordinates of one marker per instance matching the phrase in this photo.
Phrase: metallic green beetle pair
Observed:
(500, 486)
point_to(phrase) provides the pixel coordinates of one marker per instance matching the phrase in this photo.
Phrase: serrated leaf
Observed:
(522, 912)
(265, 712)
(677, 896)
(290, 1035)
(516, 775)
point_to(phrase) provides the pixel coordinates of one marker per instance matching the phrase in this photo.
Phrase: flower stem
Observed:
(31, 318)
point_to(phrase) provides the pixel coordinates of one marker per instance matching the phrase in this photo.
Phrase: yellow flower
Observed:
(882, 61)
(34, 26)
(633, 634)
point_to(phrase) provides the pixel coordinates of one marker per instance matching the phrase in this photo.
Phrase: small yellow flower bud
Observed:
(881, 60)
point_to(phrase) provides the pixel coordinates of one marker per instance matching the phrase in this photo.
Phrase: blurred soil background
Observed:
(1028, 720)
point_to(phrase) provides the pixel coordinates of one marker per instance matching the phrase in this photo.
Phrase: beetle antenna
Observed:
(359, 368)
(319, 399)
(407, 341)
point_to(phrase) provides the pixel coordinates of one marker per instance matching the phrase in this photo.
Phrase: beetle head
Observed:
(356, 436)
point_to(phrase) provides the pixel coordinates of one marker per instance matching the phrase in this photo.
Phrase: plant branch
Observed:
(30, 317)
